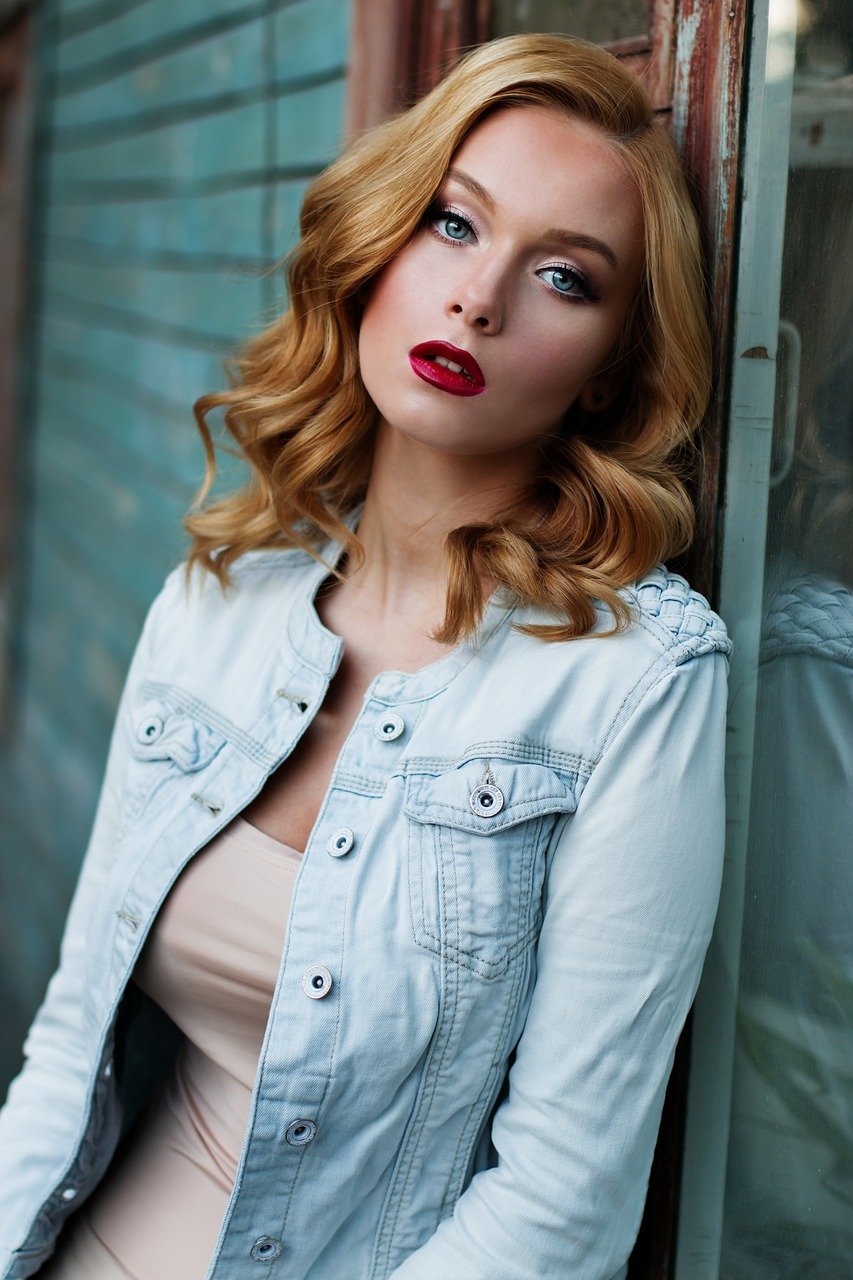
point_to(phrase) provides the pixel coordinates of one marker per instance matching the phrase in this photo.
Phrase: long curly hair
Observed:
(611, 497)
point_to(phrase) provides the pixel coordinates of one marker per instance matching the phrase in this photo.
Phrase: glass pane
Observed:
(788, 1209)
(616, 20)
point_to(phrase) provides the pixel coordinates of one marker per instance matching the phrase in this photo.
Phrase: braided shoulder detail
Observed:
(679, 615)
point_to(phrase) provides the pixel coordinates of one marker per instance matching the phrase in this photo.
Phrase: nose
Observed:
(477, 298)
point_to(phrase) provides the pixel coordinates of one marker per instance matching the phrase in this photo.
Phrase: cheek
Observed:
(395, 299)
(558, 348)
(373, 320)
(389, 329)
(547, 367)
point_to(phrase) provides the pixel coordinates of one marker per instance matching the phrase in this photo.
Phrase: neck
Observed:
(416, 495)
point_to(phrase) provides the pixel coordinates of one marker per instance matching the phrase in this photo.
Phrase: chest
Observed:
(291, 799)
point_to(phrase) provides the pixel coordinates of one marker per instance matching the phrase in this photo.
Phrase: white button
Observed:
(317, 982)
(69, 1193)
(340, 842)
(389, 727)
(149, 729)
(300, 1132)
(266, 1249)
(486, 800)
(108, 1070)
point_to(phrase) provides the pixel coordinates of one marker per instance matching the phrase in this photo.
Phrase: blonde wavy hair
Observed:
(611, 498)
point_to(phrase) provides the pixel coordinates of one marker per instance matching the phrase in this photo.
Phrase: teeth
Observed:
(448, 364)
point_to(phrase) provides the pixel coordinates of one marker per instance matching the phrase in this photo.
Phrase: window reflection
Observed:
(789, 1198)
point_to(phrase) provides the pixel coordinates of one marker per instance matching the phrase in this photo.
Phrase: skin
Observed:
(490, 291)
(442, 460)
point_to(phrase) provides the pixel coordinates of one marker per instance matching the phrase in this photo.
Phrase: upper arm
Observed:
(45, 1104)
(630, 899)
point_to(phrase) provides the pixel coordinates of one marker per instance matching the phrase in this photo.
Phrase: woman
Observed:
(432, 733)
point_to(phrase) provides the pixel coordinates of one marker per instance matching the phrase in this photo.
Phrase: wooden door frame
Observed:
(692, 60)
(17, 133)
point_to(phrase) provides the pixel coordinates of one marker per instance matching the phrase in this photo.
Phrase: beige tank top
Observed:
(211, 961)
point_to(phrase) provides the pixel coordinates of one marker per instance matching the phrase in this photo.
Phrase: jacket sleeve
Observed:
(41, 1120)
(630, 900)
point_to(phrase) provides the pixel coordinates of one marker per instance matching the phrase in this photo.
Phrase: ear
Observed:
(599, 393)
(595, 396)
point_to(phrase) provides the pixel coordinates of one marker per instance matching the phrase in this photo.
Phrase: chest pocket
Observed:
(477, 835)
(167, 743)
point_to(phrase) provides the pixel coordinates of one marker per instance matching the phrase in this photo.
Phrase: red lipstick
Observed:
(468, 382)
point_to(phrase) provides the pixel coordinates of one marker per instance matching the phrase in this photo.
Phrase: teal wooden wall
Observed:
(180, 139)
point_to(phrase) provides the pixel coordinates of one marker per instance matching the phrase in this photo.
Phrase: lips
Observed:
(429, 360)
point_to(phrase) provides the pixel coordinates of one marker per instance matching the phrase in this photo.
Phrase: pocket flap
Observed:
(164, 731)
(487, 795)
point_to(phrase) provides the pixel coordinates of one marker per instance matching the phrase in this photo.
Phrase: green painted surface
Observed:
(216, 225)
(119, 33)
(200, 305)
(182, 138)
(173, 372)
(309, 40)
(230, 144)
(167, 81)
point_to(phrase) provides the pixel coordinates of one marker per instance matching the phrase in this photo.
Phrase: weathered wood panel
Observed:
(161, 366)
(164, 449)
(222, 64)
(193, 306)
(224, 226)
(108, 37)
(176, 141)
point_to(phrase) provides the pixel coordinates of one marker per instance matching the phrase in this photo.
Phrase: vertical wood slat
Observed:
(400, 49)
(16, 124)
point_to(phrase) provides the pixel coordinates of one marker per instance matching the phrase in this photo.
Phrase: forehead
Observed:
(542, 164)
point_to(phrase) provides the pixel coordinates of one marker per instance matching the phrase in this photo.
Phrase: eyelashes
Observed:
(574, 277)
(444, 213)
(439, 212)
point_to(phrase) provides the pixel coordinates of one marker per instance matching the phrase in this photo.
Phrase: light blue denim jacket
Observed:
(512, 882)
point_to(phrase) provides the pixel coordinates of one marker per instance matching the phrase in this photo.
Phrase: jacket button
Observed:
(300, 1132)
(69, 1193)
(389, 727)
(266, 1249)
(340, 842)
(486, 800)
(149, 729)
(317, 982)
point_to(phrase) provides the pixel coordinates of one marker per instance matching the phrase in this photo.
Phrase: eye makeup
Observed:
(439, 211)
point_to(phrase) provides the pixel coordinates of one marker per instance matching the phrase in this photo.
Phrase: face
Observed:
(527, 263)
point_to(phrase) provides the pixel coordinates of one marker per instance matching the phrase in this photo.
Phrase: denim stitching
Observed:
(465, 1146)
(509, 749)
(188, 702)
(406, 1152)
(452, 988)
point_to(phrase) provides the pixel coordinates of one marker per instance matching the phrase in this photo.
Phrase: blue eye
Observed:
(455, 228)
(569, 283)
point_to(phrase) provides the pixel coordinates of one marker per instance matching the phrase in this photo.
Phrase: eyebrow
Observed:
(557, 235)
